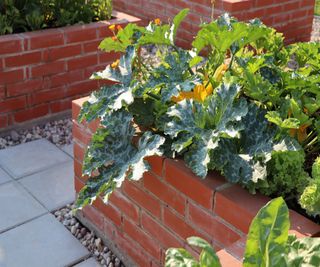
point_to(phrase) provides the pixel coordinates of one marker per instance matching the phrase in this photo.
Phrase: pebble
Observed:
(87, 238)
(58, 132)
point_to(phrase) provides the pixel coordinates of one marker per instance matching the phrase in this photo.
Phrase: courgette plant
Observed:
(249, 108)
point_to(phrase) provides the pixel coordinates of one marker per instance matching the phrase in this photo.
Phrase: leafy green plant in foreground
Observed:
(268, 244)
(244, 109)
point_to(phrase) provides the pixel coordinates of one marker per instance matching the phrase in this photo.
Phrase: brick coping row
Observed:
(170, 204)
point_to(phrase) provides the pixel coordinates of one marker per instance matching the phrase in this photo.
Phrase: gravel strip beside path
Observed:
(316, 29)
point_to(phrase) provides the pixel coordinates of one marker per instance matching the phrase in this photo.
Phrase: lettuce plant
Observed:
(268, 244)
(243, 109)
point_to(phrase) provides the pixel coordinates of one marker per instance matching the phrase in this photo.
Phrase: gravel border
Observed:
(94, 244)
(58, 132)
(316, 29)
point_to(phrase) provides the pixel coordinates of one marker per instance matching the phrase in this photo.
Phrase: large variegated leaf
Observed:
(105, 101)
(245, 159)
(121, 73)
(268, 235)
(205, 125)
(113, 155)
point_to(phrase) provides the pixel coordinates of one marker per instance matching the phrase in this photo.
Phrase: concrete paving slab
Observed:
(91, 262)
(4, 177)
(41, 242)
(54, 187)
(30, 157)
(17, 206)
(68, 149)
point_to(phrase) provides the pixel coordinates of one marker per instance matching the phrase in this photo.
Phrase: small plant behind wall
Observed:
(30, 15)
(245, 110)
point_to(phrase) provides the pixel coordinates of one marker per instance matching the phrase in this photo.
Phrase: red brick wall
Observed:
(169, 204)
(292, 17)
(42, 71)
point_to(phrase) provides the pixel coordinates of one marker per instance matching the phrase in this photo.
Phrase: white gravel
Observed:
(58, 132)
(316, 29)
(94, 244)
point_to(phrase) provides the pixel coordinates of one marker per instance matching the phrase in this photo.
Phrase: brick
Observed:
(78, 171)
(159, 233)
(80, 33)
(48, 95)
(131, 248)
(237, 249)
(25, 87)
(60, 105)
(12, 104)
(48, 69)
(80, 134)
(125, 205)
(3, 121)
(23, 59)
(11, 76)
(65, 78)
(178, 225)
(78, 184)
(182, 178)
(31, 113)
(301, 226)
(79, 151)
(109, 211)
(144, 240)
(81, 88)
(164, 192)
(212, 225)
(238, 207)
(108, 58)
(91, 46)
(82, 62)
(44, 39)
(10, 44)
(93, 216)
(64, 52)
(142, 198)
(228, 260)
(156, 164)
(2, 92)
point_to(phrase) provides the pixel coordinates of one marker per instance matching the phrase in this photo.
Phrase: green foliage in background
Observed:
(30, 15)
(268, 244)
(317, 8)
(250, 108)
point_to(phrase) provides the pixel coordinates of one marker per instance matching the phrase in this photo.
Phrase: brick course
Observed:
(170, 203)
(41, 72)
(292, 17)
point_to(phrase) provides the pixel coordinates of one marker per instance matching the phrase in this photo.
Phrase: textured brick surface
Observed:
(42, 72)
(143, 219)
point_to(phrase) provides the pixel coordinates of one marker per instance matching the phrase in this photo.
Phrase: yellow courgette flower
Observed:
(200, 93)
(119, 28)
(220, 71)
(115, 64)
(300, 133)
(112, 27)
(157, 21)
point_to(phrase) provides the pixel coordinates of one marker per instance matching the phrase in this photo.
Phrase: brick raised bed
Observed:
(170, 204)
(292, 17)
(42, 71)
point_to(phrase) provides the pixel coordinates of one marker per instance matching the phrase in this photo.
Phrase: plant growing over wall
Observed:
(268, 244)
(244, 109)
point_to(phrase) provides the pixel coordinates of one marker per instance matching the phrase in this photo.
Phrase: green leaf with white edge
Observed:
(304, 252)
(180, 258)
(113, 155)
(268, 235)
(122, 73)
(289, 123)
(105, 101)
(208, 257)
(125, 38)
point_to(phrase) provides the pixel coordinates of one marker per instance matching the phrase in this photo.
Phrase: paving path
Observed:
(36, 178)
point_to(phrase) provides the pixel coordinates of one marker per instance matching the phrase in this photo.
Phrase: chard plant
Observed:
(250, 108)
(268, 244)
